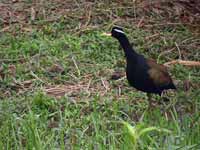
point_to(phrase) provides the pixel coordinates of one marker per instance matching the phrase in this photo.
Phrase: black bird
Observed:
(142, 73)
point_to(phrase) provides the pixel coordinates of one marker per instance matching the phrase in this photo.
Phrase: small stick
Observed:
(88, 18)
(36, 77)
(78, 71)
(5, 29)
(183, 62)
(151, 36)
(179, 51)
(104, 84)
(140, 22)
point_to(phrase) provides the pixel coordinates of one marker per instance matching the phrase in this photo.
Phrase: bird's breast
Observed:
(139, 79)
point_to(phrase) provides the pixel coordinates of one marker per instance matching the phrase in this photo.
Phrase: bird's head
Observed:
(116, 32)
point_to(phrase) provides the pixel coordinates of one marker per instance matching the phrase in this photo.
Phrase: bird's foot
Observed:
(152, 104)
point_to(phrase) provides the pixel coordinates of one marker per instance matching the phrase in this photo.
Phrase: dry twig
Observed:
(183, 62)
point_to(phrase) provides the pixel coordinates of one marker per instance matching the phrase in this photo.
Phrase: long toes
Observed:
(152, 104)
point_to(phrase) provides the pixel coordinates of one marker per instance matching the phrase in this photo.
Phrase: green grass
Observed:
(31, 119)
(96, 116)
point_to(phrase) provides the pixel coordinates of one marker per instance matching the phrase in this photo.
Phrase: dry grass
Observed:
(94, 14)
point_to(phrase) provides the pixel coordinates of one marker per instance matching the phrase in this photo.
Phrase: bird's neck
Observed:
(128, 50)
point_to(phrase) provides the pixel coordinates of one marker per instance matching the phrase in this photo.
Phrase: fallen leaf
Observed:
(117, 75)
(2, 75)
(12, 70)
(53, 124)
(56, 69)
(187, 85)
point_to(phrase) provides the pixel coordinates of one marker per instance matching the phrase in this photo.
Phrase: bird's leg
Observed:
(163, 97)
(149, 95)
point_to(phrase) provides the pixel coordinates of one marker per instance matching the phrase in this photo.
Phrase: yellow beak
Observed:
(107, 34)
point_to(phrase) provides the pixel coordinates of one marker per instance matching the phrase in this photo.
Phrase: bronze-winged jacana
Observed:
(142, 73)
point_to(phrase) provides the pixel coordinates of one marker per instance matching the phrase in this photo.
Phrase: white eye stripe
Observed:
(120, 31)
